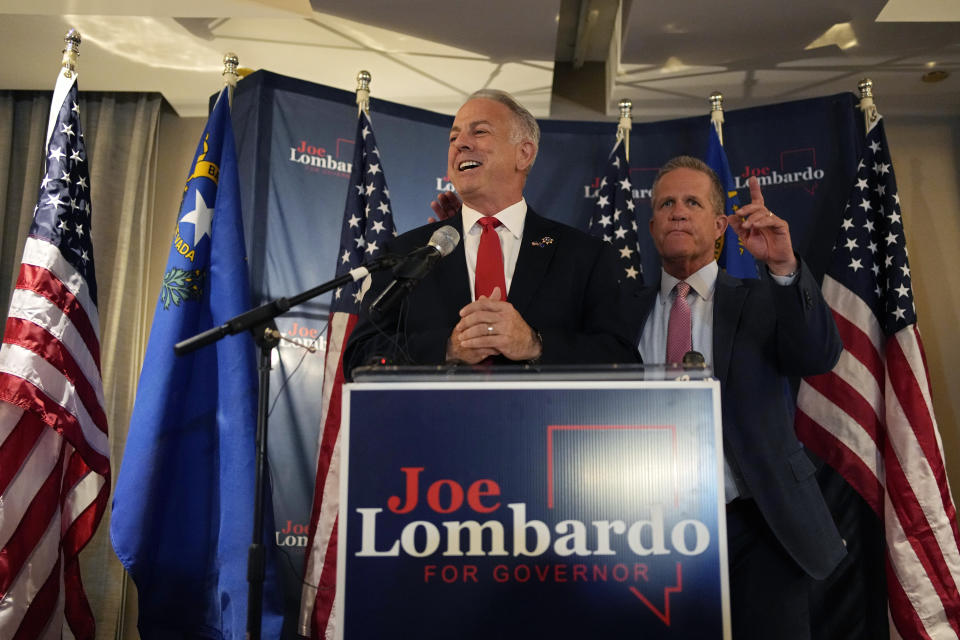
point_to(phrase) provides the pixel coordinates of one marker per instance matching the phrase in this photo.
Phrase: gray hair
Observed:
(526, 127)
(718, 196)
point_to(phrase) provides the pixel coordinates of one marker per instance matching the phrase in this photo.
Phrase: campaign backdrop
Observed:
(514, 510)
(295, 145)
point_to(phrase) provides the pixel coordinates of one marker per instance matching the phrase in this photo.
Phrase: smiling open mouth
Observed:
(467, 165)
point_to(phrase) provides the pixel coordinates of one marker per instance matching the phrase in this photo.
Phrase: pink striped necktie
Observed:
(679, 329)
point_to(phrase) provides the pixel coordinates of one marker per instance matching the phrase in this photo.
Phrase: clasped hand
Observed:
(490, 326)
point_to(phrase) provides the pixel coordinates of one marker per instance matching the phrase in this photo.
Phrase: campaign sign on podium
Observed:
(519, 509)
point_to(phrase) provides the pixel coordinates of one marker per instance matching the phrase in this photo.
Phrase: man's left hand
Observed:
(763, 234)
(445, 206)
(492, 323)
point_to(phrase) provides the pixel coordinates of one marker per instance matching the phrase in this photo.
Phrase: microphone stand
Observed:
(259, 321)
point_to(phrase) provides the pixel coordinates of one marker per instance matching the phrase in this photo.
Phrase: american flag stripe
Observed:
(862, 346)
(48, 303)
(20, 432)
(37, 618)
(37, 467)
(36, 339)
(839, 390)
(860, 472)
(903, 355)
(911, 624)
(27, 355)
(43, 254)
(85, 493)
(50, 394)
(27, 562)
(914, 591)
(909, 474)
(326, 498)
(39, 506)
(76, 608)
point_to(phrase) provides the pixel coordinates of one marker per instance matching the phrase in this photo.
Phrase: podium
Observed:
(565, 503)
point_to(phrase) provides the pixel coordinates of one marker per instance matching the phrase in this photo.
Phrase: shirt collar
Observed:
(703, 281)
(512, 218)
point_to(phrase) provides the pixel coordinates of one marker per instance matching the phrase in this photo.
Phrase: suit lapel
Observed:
(452, 275)
(533, 259)
(646, 297)
(730, 297)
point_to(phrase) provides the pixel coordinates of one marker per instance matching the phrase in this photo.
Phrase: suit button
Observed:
(808, 299)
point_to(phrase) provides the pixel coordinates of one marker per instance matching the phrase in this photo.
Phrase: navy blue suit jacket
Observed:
(762, 334)
(564, 285)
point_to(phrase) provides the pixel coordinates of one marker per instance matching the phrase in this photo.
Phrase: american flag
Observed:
(614, 217)
(872, 417)
(54, 454)
(367, 226)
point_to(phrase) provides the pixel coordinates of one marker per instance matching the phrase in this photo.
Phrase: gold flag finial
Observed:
(625, 124)
(867, 105)
(71, 51)
(230, 64)
(363, 91)
(716, 113)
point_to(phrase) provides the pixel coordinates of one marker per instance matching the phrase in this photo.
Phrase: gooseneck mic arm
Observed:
(266, 312)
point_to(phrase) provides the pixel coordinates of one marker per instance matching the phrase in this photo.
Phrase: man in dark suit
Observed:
(754, 334)
(519, 287)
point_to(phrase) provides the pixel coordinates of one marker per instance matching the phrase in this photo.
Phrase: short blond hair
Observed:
(718, 197)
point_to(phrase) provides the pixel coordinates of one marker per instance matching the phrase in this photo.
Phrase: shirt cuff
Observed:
(787, 280)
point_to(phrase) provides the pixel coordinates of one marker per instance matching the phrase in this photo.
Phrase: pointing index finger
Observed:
(756, 197)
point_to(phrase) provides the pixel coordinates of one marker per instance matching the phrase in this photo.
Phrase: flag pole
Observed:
(867, 105)
(716, 113)
(626, 123)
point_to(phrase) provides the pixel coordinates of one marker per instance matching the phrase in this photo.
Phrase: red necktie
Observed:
(489, 271)
(678, 328)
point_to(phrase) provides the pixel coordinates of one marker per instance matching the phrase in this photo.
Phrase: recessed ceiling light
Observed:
(935, 76)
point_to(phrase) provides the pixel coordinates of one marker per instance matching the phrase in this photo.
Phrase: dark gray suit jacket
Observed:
(564, 285)
(762, 334)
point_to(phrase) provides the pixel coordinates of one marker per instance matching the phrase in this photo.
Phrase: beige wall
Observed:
(925, 156)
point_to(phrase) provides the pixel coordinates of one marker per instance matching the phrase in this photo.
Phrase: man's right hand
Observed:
(445, 206)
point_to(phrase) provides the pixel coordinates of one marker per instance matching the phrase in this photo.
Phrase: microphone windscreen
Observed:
(445, 239)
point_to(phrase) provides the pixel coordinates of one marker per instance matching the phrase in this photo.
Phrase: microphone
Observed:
(694, 360)
(414, 266)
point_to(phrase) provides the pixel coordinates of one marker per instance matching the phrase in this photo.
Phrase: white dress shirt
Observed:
(510, 233)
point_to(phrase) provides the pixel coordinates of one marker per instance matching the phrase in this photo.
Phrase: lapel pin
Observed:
(543, 242)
